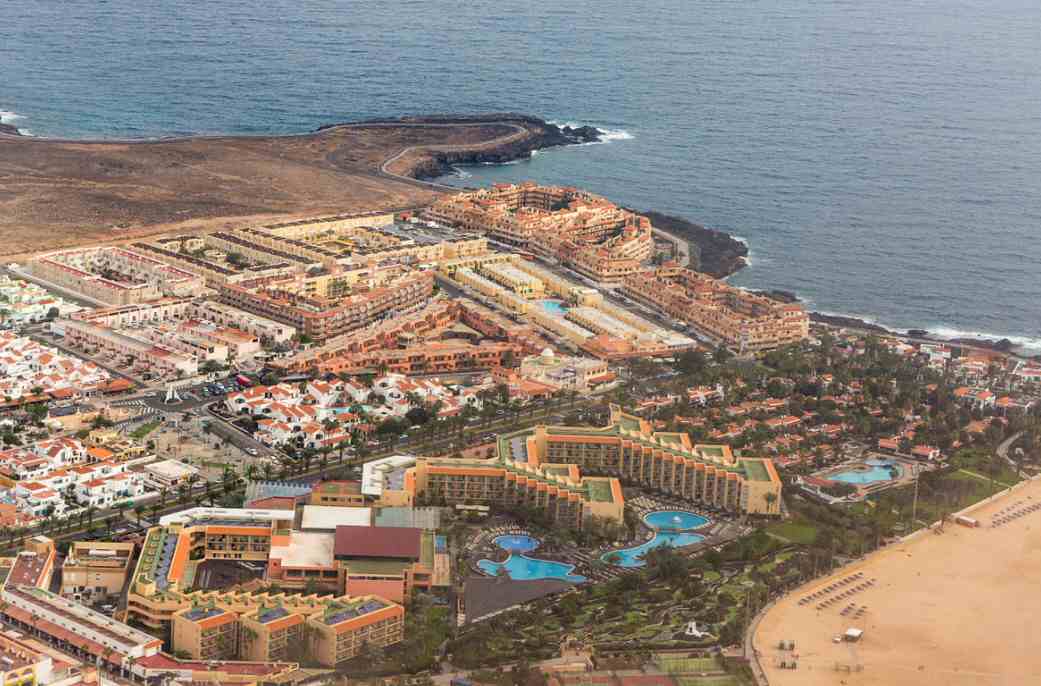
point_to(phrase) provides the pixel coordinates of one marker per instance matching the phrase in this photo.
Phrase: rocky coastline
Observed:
(716, 253)
(1003, 345)
(9, 130)
(541, 135)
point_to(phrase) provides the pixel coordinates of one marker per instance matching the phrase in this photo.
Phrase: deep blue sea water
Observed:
(881, 159)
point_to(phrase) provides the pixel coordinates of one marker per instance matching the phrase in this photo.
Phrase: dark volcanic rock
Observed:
(780, 296)
(543, 135)
(848, 322)
(714, 252)
(10, 130)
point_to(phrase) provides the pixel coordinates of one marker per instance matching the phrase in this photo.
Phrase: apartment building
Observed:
(323, 314)
(270, 634)
(718, 311)
(115, 275)
(206, 633)
(344, 628)
(583, 231)
(434, 357)
(95, 638)
(338, 494)
(265, 625)
(95, 570)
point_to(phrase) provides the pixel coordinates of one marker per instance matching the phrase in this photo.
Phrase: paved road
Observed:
(520, 132)
(1004, 448)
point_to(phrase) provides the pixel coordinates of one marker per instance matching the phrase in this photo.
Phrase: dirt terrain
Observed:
(57, 193)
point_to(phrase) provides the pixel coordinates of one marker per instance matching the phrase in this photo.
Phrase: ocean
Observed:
(881, 160)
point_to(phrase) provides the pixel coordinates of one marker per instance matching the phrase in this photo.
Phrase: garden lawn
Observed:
(799, 532)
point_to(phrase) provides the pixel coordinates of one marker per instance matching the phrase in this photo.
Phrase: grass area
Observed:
(687, 665)
(770, 566)
(721, 680)
(140, 432)
(800, 532)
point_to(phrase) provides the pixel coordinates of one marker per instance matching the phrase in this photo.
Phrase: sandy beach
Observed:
(955, 608)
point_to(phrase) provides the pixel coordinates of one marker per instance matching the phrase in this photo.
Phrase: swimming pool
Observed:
(520, 567)
(554, 307)
(672, 527)
(878, 470)
(674, 520)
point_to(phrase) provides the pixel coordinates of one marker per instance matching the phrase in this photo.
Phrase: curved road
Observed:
(519, 133)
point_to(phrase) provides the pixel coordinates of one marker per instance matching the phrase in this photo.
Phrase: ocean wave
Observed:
(9, 117)
(461, 173)
(606, 135)
(1025, 343)
(948, 333)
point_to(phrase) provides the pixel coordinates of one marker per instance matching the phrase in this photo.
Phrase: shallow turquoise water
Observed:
(520, 567)
(879, 472)
(675, 519)
(673, 529)
(554, 307)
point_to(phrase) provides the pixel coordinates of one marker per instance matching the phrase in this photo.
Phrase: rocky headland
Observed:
(714, 252)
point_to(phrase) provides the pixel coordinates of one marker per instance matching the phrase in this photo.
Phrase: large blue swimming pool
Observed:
(673, 528)
(878, 470)
(521, 567)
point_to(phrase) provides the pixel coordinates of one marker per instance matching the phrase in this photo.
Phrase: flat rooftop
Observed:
(329, 517)
(306, 549)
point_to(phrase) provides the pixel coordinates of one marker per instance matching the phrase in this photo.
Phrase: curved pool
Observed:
(873, 471)
(677, 520)
(672, 528)
(520, 567)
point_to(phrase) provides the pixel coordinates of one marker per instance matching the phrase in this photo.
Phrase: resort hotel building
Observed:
(543, 467)
(368, 567)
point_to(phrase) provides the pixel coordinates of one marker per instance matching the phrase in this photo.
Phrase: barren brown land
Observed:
(57, 193)
(958, 609)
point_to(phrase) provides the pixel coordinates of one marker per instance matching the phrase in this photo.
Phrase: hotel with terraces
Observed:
(369, 569)
(551, 468)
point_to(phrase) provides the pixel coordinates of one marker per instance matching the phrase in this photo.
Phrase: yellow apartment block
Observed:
(631, 451)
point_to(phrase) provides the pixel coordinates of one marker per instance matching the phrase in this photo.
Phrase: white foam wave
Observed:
(616, 135)
(606, 135)
(9, 117)
(866, 318)
(946, 332)
(461, 173)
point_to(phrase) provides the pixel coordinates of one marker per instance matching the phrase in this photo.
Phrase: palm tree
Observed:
(770, 499)
(163, 492)
(229, 480)
(138, 509)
